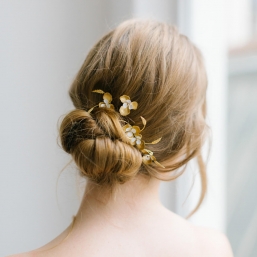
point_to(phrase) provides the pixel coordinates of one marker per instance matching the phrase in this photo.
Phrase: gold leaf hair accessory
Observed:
(132, 132)
(107, 99)
(127, 105)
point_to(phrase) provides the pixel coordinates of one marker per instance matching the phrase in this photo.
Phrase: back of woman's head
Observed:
(161, 70)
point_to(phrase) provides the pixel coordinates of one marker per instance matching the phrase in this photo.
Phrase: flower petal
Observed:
(132, 141)
(133, 105)
(129, 134)
(137, 129)
(111, 106)
(147, 159)
(138, 141)
(102, 104)
(124, 111)
(141, 146)
(124, 98)
(108, 97)
(125, 127)
(153, 158)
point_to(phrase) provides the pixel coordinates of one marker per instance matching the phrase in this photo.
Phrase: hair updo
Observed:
(161, 70)
(99, 146)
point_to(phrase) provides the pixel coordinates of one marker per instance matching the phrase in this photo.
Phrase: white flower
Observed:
(138, 140)
(106, 104)
(107, 99)
(133, 133)
(127, 105)
(148, 157)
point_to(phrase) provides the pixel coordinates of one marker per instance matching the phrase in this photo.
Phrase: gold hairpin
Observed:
(132, 132)
(107, 99)
(127, 105)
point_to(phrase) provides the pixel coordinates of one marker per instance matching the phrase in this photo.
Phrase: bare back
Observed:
(164, 234)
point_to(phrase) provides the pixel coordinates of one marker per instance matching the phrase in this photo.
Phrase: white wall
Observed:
(239, 19)
(43, 44)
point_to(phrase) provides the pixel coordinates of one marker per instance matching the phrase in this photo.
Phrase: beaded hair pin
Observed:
(132, 132)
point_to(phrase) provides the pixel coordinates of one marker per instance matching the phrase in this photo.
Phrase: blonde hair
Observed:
(161, 70)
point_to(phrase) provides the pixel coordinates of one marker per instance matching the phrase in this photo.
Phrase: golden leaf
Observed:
(157, 163)
(91, 109)
(99, 91)
(143, 121)
(147, 151)
(126, 126)
(144, 151)
(155, 141)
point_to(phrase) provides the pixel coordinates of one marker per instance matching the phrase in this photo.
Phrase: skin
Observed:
(132, 222)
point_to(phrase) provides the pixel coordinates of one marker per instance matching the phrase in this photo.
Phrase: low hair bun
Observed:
(99, 146)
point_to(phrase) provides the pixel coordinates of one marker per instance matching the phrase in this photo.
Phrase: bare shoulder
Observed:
(29, 254)
(41, 252)
(212, 242)
(192, 240)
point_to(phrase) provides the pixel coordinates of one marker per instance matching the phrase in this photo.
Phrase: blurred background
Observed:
(42, 46)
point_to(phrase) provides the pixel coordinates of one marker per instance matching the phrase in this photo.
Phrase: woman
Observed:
(139, 118)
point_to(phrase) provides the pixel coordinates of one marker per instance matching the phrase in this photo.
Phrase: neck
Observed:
(135, 197)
